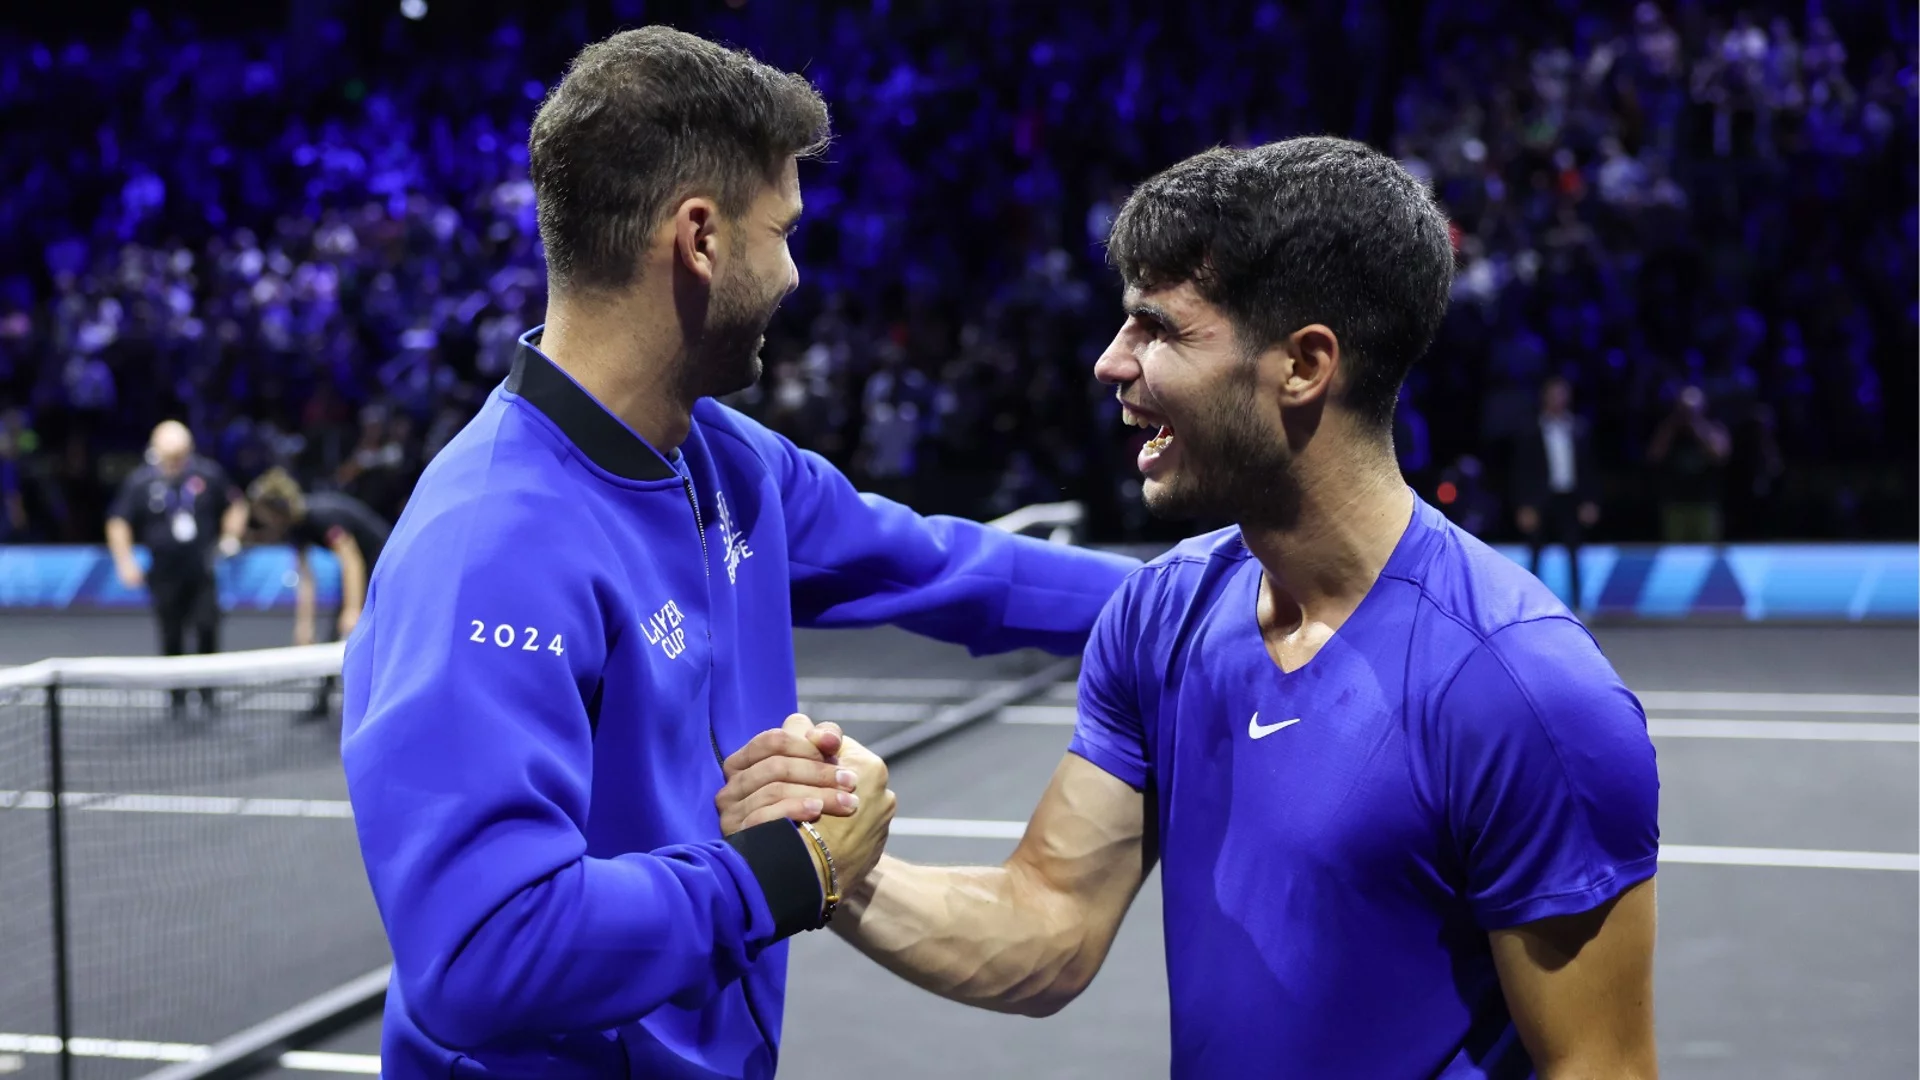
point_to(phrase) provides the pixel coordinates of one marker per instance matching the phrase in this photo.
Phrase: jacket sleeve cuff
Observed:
(778, 856)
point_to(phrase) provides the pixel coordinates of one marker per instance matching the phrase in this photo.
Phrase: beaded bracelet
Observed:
(833, 873)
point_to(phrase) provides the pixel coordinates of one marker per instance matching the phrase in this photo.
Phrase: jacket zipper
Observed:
(713, 738)
(706, 566)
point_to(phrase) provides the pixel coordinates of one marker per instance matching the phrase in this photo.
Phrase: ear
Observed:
(1314, 355)
(696, 237)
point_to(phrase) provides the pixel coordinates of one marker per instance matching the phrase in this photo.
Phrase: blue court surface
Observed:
(1789, 890)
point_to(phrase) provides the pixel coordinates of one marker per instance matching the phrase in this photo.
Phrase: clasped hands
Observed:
(815, 773)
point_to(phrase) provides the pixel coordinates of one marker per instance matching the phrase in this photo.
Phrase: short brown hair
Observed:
(277, 492)
(645, 119)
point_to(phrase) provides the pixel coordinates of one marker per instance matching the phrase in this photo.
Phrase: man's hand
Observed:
(1528, 519)
(303, 631)
(130, 574)
(349, 618)
(858, 840)
(789, 772)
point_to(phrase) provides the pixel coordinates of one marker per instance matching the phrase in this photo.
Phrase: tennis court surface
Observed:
(1789, 890)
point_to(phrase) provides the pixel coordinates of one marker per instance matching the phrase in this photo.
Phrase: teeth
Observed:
(1159, 443)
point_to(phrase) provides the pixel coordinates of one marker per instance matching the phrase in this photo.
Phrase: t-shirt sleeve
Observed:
(1111, 729)
(126, 502)
(1551, 785)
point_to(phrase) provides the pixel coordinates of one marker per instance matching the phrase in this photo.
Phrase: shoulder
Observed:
(737, 431)
(1165, 591)
(1469, 584)
(506, 492)
(1185, 573)
(210, 469)
(141, 476)
(1551, 662)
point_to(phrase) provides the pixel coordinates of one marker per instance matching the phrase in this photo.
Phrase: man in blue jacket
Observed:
(589, 602)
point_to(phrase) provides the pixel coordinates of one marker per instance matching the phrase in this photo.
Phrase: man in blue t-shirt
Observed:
(1405, 806)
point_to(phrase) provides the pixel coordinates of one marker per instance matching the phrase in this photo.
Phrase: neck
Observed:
(627, 355)
(1321, 566)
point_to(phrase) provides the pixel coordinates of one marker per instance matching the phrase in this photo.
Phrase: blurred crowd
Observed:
(314, 243)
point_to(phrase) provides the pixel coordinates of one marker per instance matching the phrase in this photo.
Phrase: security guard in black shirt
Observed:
(188, 514)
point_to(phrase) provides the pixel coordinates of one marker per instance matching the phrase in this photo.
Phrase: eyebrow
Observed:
(1140, 309)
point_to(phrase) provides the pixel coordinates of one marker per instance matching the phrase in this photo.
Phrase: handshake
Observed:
(812, 772)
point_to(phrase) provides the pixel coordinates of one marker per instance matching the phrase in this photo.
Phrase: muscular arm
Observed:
(1026, 936)
(1580, 988)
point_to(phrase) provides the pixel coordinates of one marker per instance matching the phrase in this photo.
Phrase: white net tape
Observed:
(246, 667)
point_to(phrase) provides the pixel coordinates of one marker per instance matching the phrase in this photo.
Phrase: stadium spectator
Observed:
(1687, 453)
(227, 225)
(1556, 489)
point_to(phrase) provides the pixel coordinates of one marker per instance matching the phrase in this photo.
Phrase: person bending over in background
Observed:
(182, 507)
(342, 524)
(589, 603)
(1406, 808)
(1556, 485)
(338, 522)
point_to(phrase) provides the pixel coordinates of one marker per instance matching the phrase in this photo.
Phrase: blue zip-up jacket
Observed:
(563, 637)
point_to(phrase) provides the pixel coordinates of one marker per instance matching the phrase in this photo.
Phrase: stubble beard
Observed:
(1232, 468)
(726, 359)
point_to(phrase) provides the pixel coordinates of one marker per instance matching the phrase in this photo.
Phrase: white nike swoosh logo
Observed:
(1261, 731)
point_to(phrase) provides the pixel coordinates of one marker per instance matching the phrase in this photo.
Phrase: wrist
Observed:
(830, 882)
(856, 895)
(819, 867)
(777, 854)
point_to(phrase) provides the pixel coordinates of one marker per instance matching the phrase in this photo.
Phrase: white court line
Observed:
(812, 687)
(1729, 701)
(208, 805)
(1796, 857)
(137, 1050)
(964, 829)
(1797, 730)
(1057, 715)
(1660, 727)
(872, 712)
(318, 1061)
(950, 828)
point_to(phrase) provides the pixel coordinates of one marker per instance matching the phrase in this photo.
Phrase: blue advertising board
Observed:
(1757, 582)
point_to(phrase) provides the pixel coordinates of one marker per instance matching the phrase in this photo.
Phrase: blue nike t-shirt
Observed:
(1337, 841)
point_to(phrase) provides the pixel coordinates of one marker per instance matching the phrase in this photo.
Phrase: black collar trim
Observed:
(606, 441)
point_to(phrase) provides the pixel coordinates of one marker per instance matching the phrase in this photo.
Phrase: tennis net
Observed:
(177, 857)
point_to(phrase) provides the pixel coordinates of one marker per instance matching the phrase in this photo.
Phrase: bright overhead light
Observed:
(414, 9)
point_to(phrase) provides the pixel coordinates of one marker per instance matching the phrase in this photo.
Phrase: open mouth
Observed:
(1156, 445)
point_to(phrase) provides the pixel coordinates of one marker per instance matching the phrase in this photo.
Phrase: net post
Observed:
(57, 863)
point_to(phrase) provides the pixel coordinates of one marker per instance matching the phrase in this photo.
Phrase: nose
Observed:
(1118, 365)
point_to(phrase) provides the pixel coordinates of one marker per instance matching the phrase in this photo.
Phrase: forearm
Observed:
(303, 599)
(233, 524)
(120, 540)
(353, 581)
(991, 937)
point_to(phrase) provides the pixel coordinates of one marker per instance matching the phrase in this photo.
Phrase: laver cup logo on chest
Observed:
(663, 629)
